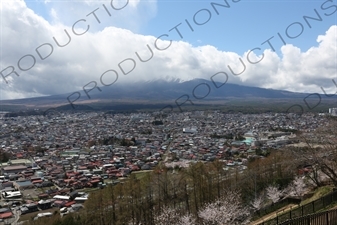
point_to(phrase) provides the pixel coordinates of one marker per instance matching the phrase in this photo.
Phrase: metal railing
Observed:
(323, 218)
(305, 211)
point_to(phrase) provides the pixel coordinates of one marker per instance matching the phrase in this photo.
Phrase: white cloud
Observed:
(130, 14)
(307, 71)
(54, 15)
(88, 56)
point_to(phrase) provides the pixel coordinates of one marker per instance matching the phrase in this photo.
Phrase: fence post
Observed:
(302, 210)
(332, 196)
(327, 218)
(290, 213)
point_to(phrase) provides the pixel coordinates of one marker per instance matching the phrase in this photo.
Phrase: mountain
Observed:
(200, 89)
(156, 92)
(197, 88)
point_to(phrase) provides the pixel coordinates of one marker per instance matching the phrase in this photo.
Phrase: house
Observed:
(76, 207)
(61, 197)
(40, 215)
(28, 208)
(4, 210)
(80, 199)
(6, 185)
(11, 194)
(6, 215)
(45, 204)
(190, 130)
(13, 169)
(60, 203)
(73, 194)
(24, 184)
(68, 204)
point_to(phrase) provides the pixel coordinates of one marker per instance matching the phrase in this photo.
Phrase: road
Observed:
(167, 152)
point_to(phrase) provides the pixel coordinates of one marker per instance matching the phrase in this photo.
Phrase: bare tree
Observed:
(320, 153)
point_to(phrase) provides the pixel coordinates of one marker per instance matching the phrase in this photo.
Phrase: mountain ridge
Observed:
(200, 89)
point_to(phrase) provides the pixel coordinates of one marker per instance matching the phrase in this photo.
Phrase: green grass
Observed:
(141, 174)
(87, 190)
(319, 192)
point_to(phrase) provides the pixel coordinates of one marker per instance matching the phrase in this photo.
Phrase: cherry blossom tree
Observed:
(167, 216)
(170, 216)
(211, 213)
(187, 220)
(226, 210)
(257, 202)
(297, 187)
(273, 193)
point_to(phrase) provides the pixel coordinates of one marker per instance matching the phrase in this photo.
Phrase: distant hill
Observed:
(154, 94)
(164, 90)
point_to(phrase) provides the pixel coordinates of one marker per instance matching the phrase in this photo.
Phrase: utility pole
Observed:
(255, 183)
(1, 158)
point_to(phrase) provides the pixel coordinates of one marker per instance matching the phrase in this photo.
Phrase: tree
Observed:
(257, 202)
(273, 193)
(320, 153)
(4, 156)
(229, 209)
(91, 143)
(167, 216)
(187, 220)
(297, 187)
(39, 149)
(172, 217)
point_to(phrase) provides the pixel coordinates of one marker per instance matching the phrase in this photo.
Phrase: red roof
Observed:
(6, 215)
(69, 203)
(94, 181)
(37, 181)
(59, 202)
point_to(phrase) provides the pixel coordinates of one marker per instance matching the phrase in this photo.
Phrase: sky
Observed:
(56, 46)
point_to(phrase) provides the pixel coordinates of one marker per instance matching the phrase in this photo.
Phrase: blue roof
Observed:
(24, 183)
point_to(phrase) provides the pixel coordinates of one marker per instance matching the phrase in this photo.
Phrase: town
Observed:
(54, 162)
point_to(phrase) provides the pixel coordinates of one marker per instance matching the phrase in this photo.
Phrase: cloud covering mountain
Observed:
(104, 55)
